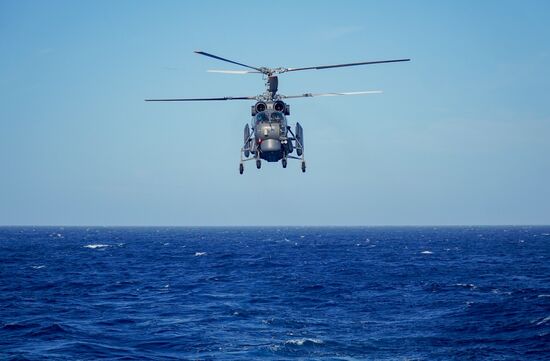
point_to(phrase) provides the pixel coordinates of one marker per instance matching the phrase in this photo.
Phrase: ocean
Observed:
(372, 293)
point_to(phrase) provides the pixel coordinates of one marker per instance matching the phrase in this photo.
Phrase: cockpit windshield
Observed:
(262, 117)
(277, 117)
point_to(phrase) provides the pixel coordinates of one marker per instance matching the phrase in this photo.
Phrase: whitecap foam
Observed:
(198, 254)
(302, 341)
(543, 321)
(426, 252)
(94, 246)
(465, 285)
(38, 266)
(499, 292)
(543, 296)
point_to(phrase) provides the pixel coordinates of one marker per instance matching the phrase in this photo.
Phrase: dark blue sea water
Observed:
(464, 293)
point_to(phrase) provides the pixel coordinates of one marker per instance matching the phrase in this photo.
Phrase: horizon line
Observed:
(271, 226)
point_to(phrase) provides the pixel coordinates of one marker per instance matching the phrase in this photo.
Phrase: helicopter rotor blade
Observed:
(309, 95)
(227, 60)
(199, 99)
(234, 71)
(344, 65)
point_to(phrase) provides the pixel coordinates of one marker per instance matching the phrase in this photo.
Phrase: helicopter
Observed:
(269, 137)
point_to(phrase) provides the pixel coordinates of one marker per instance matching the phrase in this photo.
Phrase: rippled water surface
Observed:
(269, 293)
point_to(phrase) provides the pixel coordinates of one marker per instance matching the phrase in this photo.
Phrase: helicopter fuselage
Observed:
(270, 135)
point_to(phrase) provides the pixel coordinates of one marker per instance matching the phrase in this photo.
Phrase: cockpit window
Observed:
(262, 117)
(277, 117)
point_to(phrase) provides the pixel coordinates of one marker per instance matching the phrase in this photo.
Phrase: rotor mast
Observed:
(272, 85)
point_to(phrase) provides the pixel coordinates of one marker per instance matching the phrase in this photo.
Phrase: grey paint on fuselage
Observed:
(270, 135)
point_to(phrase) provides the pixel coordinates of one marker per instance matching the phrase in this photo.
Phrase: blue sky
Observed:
(461, 134)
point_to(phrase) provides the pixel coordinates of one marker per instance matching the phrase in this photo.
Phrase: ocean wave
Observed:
(95, 246)
(50, 330)
(543, 321)
(17, 326)
(426, 252)
(304, 341)
(465, 285)
(198, 254)
(96, 350)
(117, 322)
(496, 291)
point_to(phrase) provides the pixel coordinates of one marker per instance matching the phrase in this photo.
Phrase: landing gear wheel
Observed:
(284, 163)
(303, 167)
(241, 168)
(258, 163)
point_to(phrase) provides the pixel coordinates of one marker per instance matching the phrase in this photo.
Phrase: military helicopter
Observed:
(269, 137)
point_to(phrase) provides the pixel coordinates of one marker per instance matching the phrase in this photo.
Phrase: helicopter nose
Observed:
(271, 145)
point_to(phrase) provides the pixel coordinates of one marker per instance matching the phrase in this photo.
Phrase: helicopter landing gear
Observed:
(247, 142)
(284, 162)
(249, 149)
(298, 138)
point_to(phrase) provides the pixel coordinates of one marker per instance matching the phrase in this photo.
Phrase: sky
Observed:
(460, 136)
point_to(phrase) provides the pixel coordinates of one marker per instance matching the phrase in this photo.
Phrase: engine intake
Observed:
(260, 107)
(279, 106)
